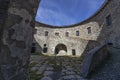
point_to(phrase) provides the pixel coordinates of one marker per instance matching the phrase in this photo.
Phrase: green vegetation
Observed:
(56, 62)
(33, 73)
(32, 64)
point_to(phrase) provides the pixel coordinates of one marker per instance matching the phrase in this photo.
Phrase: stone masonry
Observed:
(16, 34)
(91, 33)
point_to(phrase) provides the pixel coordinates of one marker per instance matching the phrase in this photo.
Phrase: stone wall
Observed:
(16, 37)
(93, 59)
(71, 41)
(16, 34)
(100, 32)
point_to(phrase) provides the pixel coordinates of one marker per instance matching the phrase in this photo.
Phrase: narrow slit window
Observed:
(108, 20)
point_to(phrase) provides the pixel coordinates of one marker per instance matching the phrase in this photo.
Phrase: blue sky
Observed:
(66, 12)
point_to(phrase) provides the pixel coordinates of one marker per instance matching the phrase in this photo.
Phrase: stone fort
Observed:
(74, 39)
(17, 27)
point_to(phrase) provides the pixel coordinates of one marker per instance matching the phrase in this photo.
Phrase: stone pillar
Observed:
(16, 37)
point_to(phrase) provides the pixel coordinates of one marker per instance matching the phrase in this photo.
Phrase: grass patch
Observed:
(35, 76)
(32, 64)
(33, 73)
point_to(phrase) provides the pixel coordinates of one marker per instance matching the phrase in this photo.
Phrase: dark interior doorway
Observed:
(60, 47)
(33, 48)
(73, 52)
(45, 49)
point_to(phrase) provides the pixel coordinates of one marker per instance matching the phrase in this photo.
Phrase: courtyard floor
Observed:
(55, 68)
(68, 68)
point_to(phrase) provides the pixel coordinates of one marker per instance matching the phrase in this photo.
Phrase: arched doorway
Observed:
(60, 47)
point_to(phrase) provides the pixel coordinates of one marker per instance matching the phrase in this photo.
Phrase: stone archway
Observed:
(60, 47)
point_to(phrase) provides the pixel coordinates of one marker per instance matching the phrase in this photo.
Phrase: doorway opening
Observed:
(73, 52)
(60, 47)
(33, 48)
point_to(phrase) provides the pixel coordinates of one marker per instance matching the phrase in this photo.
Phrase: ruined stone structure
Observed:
(16, 34)
(74, 39)
(77, 39)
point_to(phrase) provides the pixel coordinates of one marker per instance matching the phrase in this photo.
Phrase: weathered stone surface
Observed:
(93, 59)
(16, 34)
(46, 78)
(100, 32)
(53, 70)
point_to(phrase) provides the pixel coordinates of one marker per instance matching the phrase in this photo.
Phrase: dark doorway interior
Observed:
(33, 49)
(73, 52)
(45, 49)
(60, 47)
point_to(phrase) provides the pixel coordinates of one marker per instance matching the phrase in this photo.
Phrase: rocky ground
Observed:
(55, 68)
(68, 68)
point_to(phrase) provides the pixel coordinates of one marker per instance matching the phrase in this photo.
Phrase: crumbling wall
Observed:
(16, 38)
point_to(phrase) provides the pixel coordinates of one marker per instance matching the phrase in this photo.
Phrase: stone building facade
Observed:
(68, 41)
(16, 33)
(102, 27)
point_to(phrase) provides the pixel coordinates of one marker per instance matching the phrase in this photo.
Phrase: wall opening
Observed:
(45, 49)
(33, 48)
(46, 33)
(57, 33)
(77, 33)
(67, 34)
(110, 43)
(89, 30)
(60, 47)
(108, 20)
(73, 52)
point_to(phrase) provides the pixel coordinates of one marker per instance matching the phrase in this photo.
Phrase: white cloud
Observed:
(64, 12)
(53, 18)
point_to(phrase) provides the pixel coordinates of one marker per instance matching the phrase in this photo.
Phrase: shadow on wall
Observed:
(36, 48)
